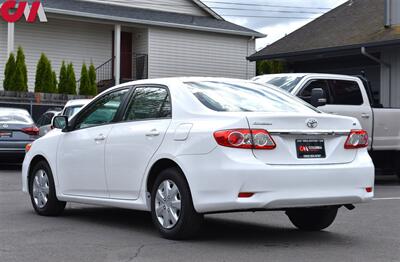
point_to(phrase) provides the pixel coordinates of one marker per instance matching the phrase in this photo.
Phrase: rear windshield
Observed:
(287, 83)
(14, 117)
(245, 97)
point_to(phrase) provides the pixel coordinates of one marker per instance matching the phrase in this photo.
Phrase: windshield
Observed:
(287, 83)
(15, 117)
(245, 97)
(72, 110)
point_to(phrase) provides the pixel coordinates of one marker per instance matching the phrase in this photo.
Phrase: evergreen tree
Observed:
(41, 69)
(62, 85)
(55, 83)
(84, 88)
(9, 73)
(21, 75)
(92, 78)
(71, 80)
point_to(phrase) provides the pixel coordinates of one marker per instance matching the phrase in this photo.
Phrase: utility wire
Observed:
(267, 11)
(269, 5)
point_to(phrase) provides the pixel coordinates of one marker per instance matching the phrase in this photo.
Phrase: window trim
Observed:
(78, 116)
(123, 113)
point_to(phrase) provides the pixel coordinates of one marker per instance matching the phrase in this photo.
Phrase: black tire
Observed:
(312, 219)
(189, 221)
(52, 207)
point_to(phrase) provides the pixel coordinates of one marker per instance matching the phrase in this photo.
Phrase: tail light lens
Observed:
(245, 138)
(32, 131)
(357, 139)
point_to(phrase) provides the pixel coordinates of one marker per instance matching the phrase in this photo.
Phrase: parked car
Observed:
(349, 96)
(44, 122)
(73, 106)
(184, 147)
(17, 129)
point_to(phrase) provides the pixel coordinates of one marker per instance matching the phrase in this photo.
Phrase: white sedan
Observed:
(185, 147)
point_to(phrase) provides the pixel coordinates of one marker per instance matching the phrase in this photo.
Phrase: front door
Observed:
(80, 155)
(126, 68)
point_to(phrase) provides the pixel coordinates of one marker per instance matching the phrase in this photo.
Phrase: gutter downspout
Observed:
(382, 63)
(388, 15)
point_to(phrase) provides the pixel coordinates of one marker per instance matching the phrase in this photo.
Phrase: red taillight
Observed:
(245, 138)
(32, 131)
(245, 195)
(356, 139)
(369, 189)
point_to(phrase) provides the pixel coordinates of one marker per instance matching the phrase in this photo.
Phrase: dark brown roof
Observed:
(355, 23)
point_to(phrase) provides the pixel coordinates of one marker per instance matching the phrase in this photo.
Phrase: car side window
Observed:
(345, 92)
(149, 103)
(103, 111)
(305, 94)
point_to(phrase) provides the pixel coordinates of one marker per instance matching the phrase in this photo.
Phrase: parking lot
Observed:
(371, 232)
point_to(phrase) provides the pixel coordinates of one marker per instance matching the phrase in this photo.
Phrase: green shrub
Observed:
(71, 80)
(44, 81)
(21, 73)
(9, 73)
(63, 83)
(55, 82)
(84, 87)
(92, 78)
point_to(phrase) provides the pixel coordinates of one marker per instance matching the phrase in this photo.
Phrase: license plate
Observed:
(310, 148)
(5, 134)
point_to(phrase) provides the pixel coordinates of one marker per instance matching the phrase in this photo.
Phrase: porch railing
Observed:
(105, 72)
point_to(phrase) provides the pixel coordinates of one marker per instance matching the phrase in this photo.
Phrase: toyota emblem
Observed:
(312, 123)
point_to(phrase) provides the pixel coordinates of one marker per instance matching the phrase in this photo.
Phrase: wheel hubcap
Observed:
(168, 204)
(41, 189)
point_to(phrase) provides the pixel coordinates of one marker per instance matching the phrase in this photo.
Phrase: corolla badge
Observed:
(312, 123)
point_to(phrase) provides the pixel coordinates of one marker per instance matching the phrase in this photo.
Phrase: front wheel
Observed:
(312, 219)
(42, 191)
(172, 208)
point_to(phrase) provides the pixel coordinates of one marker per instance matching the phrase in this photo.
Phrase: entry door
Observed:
(132, 144)
(126, 56)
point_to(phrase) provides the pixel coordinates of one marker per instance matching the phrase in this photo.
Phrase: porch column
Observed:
(117, 53)
(10, 38)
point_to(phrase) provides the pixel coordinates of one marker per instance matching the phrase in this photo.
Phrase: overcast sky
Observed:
(274, 18)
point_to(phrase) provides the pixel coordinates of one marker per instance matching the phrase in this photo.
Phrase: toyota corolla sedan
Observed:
(184, 147)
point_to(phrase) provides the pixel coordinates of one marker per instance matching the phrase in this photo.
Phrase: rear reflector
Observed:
(245, 138)
(245, 195)
(32, 131)
(357, 139)
(368, 189)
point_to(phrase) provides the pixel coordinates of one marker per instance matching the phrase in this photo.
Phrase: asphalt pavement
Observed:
(371, 232)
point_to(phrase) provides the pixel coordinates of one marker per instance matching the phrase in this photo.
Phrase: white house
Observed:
(133, 39)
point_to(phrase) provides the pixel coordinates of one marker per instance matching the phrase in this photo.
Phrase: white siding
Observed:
(390, 97)
(3, 51)
(72, 41)
(188, 53)
(176, 6)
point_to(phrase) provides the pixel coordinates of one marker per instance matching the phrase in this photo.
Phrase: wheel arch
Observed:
(156, 169)
(36, 159)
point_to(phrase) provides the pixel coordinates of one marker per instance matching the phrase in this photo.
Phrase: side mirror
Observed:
(59, 122)
(318, 97)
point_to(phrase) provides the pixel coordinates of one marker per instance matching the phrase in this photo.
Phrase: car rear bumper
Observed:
(217, 178)
(12, 152)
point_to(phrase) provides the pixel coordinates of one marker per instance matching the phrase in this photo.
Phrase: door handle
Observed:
(100, 138)
(153, 133)
(365, 115)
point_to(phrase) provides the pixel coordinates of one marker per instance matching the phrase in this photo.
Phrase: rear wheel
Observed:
(42, 191)
(172, 208)
(312, 219)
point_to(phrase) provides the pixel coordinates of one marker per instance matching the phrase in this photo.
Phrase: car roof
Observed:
(14, 110)
(77, 102)
(269, 76)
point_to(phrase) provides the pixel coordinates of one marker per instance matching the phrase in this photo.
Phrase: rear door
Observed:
(132, 143)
